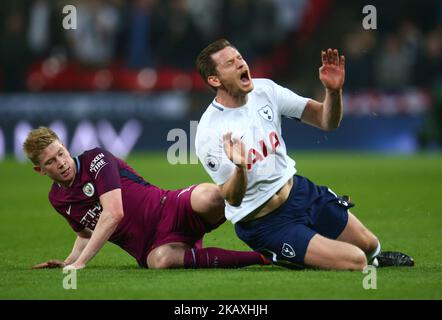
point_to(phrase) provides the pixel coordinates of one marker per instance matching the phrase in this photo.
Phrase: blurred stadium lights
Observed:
(147, 78)
(103, 79)
(182, 82)
(51, 67)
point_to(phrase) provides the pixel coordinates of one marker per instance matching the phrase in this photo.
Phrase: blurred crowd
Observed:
(169, 33)
(401, 58)
(116, 37)
(138, 33)
(403, 54)
(158, 33)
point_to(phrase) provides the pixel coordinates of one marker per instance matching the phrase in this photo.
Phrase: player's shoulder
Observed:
(95, 158)
(263, 84)
(264, 88)
(210, 127)
(95, 154)
(211, 117)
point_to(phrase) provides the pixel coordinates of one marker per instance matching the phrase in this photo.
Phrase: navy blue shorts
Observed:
(284, 234)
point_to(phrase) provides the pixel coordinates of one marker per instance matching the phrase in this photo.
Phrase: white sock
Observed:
(372, 256)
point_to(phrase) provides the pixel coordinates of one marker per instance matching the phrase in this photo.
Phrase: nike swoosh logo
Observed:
(68, 211)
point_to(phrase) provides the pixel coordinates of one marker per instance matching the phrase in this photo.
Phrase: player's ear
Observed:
(38, 170)
(214, 81)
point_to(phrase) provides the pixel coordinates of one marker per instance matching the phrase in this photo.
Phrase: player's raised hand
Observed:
(50, 264)
(235, 150)
(332, 71)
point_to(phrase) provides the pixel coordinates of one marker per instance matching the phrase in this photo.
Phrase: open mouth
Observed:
(244, 77)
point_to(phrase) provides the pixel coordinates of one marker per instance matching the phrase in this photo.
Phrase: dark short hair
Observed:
(204, 62)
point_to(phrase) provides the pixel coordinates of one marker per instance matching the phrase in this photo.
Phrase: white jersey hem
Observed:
(234, 218)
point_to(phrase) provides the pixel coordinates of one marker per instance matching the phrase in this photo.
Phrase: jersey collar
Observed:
(77, 164)
(217, 105)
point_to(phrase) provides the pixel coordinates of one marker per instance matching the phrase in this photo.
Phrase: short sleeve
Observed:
(210, 151)
(289, 103)
(103, 169)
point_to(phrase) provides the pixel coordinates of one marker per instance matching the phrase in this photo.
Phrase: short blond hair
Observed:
(36, 141)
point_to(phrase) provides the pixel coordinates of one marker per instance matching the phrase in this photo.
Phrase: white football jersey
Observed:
(258, 125)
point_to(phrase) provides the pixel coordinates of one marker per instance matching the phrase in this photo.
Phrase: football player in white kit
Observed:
(286, 217)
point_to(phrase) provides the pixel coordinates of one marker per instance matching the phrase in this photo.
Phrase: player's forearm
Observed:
(332, 109)
(104, 229)
(235, 188)
(79, 245)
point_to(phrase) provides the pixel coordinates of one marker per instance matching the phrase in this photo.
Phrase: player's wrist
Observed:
(333, 92)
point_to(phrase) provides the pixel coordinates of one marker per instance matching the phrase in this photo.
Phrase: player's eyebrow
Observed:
(229, 60)
(51, 158)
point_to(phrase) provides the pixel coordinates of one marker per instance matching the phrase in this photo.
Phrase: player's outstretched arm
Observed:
(328, 114)
(107, 223)
(235, 188)
(79, 244)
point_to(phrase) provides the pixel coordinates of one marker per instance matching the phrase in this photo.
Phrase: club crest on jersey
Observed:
(266, 112)
(212, 163)
(88, 189)
(287, 251)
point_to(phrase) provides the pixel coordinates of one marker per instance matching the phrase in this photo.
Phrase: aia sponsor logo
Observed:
(255, 155)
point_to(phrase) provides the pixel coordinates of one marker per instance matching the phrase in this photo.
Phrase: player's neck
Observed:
(230, 101)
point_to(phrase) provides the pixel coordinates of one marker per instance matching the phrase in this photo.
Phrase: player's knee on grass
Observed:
(215, 201)
(165, 257)
(208, 202)
(354, 260)
(330, 254)
(358, 260)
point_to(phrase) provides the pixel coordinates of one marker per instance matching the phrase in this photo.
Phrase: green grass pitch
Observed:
(397, 197)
